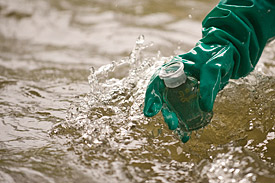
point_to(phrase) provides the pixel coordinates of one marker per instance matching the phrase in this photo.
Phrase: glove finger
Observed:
(153, 96)
(172, 121)
(170, 117)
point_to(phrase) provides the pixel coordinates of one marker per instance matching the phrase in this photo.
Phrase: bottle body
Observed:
(182, 96)
(184, 101)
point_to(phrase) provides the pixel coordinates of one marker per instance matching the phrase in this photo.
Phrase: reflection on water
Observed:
(59, 126)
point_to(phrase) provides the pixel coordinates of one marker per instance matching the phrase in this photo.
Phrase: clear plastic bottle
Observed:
(182, 96)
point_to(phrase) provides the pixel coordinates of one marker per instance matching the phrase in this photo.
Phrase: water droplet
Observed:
(140, 40)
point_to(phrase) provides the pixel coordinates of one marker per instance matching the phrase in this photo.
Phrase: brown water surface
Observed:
(62, 121)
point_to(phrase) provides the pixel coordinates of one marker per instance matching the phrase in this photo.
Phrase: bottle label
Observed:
(185, 98)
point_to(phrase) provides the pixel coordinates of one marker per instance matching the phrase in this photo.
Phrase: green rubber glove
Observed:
(235, 33)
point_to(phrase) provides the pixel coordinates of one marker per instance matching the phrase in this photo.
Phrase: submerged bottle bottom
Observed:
(185, 129)
(197, 122)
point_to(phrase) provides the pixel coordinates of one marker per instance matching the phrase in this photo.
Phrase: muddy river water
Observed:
(73, 74)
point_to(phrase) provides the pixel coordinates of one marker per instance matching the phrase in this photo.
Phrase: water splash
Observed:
(110, 135)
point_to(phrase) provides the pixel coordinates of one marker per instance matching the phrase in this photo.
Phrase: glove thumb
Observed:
(153, 96)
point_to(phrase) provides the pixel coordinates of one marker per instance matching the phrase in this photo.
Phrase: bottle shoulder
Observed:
(192, 80)
(190, 83)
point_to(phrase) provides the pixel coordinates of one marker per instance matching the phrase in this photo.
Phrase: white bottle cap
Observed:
(173, 74)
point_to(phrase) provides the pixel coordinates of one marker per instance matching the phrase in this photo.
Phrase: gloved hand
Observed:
(154, 100)
(234, 35)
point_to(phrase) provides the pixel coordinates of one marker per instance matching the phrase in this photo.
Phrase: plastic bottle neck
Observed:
(173, 74)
